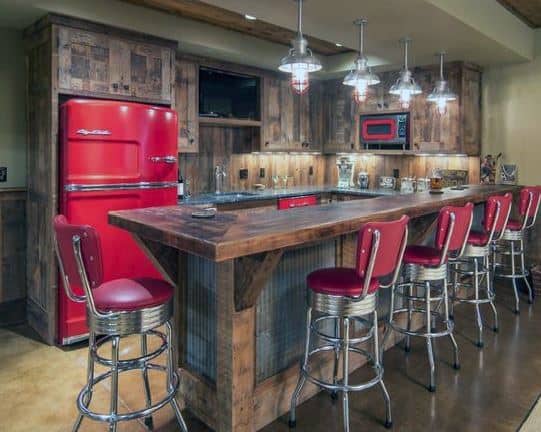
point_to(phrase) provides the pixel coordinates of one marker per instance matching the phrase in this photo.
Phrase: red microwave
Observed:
(385, 131)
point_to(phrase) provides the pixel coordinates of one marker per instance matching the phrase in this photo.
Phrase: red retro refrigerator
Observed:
(113, 155)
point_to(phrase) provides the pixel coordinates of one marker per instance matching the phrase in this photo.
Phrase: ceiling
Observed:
(528, 11)
(467, 30)
(215, 15)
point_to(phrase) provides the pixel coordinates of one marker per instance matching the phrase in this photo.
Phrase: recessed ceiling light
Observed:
(250, 17)
(339, 44)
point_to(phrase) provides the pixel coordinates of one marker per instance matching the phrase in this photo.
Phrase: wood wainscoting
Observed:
(12, 256)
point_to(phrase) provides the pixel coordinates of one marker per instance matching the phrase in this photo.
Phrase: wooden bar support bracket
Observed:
(251, 274)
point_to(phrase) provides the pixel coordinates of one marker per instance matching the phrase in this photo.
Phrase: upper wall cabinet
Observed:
(98, 64)
(186, 105)
(341, 118)
(291, 122)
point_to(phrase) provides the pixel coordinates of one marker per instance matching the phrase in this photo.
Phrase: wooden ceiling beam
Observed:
(528, 11)
(210, 14)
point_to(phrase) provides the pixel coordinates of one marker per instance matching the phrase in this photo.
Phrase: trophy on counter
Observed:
(508, 174)
(488, 168)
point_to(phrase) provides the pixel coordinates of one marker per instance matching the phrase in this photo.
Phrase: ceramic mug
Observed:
(436, 183)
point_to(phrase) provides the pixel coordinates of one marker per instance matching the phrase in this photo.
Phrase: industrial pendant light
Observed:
(361, 76)
(300, 61)
(441, 93)
(405, 86)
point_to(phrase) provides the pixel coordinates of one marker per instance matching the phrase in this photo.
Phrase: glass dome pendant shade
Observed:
(441, 93)
(300, 61)
(361, 77)
(405, 86)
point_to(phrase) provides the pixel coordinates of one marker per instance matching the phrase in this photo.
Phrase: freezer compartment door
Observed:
(105, 142)
(122, 257)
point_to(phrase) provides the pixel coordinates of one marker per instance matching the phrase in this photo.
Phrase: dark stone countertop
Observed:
(268, 194)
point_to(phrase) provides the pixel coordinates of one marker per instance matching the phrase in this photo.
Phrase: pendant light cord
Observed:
(299, 18)
(441, 66)
(361, 37)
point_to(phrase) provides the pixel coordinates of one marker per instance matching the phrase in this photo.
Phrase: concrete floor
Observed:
(493, 390)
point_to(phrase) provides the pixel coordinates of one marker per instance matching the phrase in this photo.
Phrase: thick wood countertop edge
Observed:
(232, 235)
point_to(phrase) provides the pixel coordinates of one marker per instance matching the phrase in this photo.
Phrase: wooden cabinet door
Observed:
(471, 111)
(187, 105)
(84, 61)
(150, 72)
(278, 114)
(316, 114)
(342, 118)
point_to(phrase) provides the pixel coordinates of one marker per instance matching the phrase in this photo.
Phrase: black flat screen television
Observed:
(228, 95)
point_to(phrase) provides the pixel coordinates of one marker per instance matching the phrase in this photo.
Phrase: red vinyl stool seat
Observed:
(117, 308)
(473, 272)
(422, 255)
(131, 294)
(343, 296)
(425, 283)
(510, 247)
(339, 281)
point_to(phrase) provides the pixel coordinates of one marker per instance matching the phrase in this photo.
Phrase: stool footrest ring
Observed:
(448, 325)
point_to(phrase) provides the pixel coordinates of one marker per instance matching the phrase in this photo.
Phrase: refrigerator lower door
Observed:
(122, 257)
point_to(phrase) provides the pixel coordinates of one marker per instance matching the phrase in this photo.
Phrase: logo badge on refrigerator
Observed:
(86, 132)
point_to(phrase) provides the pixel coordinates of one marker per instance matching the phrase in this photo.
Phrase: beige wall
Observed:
(12, 106)
(512, 115)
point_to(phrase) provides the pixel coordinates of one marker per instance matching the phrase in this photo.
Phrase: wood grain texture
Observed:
(200, 11)
(528, 11)
(231, 235)
(13, 249)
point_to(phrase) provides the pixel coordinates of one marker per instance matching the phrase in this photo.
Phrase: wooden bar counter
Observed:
(240, 300)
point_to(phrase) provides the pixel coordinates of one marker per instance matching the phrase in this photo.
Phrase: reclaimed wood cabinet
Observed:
(67, 57)
(291, 122)
(457, 131)
(187, 105)
(98, 64)
(341, 118)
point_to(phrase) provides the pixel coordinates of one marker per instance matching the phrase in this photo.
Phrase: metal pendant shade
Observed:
(441, 93)
(300, 60)
(361, 76)
(405, 86)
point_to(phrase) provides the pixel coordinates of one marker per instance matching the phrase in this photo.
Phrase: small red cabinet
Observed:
(301, 201)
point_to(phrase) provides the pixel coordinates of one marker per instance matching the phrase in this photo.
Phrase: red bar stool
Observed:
(115, 309)
(345, 297)
(530, 198)
(425, 266)
(475, 261)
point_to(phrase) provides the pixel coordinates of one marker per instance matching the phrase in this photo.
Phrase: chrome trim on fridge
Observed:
(117, 186)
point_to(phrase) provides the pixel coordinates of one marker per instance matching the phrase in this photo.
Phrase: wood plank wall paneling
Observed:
(216, 148)
(12, 255)
(409, 166)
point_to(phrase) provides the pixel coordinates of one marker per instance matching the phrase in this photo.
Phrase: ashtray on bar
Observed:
(207, 213)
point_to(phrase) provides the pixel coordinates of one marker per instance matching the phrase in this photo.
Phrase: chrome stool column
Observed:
(475, 262)
(115, 309)
(345, 297)
(425, 289)
(511, 244)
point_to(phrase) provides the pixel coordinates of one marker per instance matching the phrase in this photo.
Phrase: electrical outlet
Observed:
(261, 172)
(311, 170)
(3, 174)
(243, 174)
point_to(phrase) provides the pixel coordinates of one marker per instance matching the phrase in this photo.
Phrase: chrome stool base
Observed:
(336, 310)
(144, 364)
(507, 247)
(475, 264)
(438, 324)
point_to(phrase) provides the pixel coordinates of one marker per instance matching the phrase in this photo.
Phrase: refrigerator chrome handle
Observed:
(169, 159)
(117, 186)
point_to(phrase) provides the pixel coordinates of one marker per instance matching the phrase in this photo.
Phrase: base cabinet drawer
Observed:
(293, 202)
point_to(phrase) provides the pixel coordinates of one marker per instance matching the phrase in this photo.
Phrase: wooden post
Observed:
(235, 380)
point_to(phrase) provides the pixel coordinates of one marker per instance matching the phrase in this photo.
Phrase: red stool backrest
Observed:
(528, 205)
(66, 233)
(455, 234)
(495, 222)
(392, 242)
